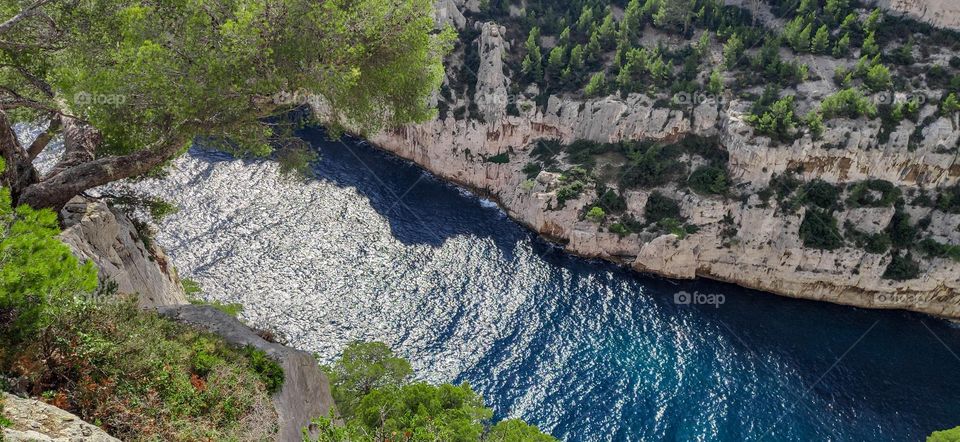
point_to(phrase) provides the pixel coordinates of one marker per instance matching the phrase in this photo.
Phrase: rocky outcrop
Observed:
(305, 394)
(125, 261)
(35, 421)
(491, 95)
(940, 13)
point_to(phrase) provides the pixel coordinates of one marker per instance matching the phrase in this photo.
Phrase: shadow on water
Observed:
(894, 371)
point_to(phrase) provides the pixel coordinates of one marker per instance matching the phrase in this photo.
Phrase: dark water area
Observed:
(587, 350)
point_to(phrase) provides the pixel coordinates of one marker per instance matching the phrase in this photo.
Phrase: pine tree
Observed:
(532, 64)
(577, 60)
(586, 19)
(842, 48)
(821, 41)
(674, 15)
(732, 51)
(556, 61)
(870, 47)
(597, 85)
(608, 31)
(715, 83)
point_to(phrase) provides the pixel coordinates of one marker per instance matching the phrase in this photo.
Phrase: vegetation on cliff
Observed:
(377, 400)
(139, 376)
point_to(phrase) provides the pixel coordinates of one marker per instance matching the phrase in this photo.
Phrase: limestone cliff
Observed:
(764, 251)
(940, 13)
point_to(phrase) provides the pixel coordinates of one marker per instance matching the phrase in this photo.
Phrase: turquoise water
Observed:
(375, 248)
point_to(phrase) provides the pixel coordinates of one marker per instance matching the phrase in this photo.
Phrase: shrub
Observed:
(821, 193)
(531, 170)
(596, 214)
(144, 377)
(660, 207)
(569, 191)
(619, 229)
(935, 249)
(949, 199)
(778, 121)
(849, 103)
(902, 267)
(902, 232)
(502, 158)
(861, 194)
(267, 369)
(709, 180)
(819, 230)
(610, 200)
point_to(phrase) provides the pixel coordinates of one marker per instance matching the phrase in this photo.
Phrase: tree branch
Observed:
(44, 138)
(29, 11)
(56, 189)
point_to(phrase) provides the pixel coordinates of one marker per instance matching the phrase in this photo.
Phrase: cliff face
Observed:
(766, 252)
(940, 13)
(97, 233)
(35, 421)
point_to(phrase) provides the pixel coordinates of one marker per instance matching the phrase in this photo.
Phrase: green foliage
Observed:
(935, 249)
(532, 66)
(531, 170)
(502, 158)
(872, 243)
(849, 103)
(879, 78)
(902, 232)
(143, 377)
(660, 207)
(147, 74)
(777, 120)
(610, 200)
(951, 435)
(819, 230)
(733, 51)
(864, 194)
(715, 83)
(821, 194)
(709, 180)
(363, 368)
(267, 369)
(902, 267)
(38, 272)
(949, 199)
(382, 401)
(596, 214)
(950, 105)
(597, 85)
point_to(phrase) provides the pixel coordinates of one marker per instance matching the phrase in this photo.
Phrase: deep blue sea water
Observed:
(586, 350)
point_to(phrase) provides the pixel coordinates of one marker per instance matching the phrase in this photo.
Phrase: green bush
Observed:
(374, 396)
(819, 230)
(502, 158)
(902, 267)
(610, 200)
(821, 194)
(531, 170)
(709, 180)
(267, 369)
(902, 232)
(949, 199)
(660, 207)
(848, 103)
(935, 249)
(596, 215)
(861, 194)
(143, 377)
(569, 191)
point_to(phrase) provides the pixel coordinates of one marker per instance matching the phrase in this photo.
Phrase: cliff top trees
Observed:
(130, 84)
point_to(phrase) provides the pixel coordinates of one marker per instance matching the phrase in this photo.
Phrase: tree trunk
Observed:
(19, 172)
(55, 190)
